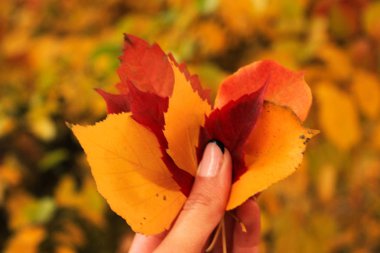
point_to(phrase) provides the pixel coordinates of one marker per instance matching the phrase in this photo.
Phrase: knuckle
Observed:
(203, 201)
(197, 201)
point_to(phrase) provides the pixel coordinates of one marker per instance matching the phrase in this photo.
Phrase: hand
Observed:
(203, 211)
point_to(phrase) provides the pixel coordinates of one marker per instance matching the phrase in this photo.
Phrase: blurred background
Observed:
(54, 53)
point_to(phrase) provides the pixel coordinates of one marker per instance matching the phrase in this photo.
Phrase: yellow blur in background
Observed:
(54, 53)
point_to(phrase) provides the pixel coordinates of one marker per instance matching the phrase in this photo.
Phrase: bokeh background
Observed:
(54, 53)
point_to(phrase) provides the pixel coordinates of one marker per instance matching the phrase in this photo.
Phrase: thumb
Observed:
(206, 203)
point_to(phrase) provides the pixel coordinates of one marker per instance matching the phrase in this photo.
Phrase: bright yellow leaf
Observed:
(241, 24)
(26, 240)
(16, 208)
(337, 61)
(327, 178)
(125, 160)
(210, 37)
(338, 116)
(371, 20)
(87, 200)
(366, 89)
(183, 119)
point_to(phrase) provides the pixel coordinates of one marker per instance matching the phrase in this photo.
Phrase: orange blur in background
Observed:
(54, 53)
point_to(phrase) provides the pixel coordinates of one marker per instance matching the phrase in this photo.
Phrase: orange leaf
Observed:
(273, 151)
(185, 116)
(26, 240)
(125, 160)
(285, 87)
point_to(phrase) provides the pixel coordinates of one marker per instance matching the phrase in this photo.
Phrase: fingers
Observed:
(146, 244)
(249, 214)
(205, 206)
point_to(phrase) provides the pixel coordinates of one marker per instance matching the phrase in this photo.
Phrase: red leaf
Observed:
(232, 125)
(116, 103)
(148, 109)
(147, 67)
(285, 87)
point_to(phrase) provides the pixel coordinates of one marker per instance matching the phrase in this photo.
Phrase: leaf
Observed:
(371, 20)
(125, 160)
(16, 209)
(193, 79)
(185, 116)
(52, 159)
(85, 200)
(116, 103)
(10, 172)
(41, 124)
(366, 89)
(326, 184)
(338, 116)
(284, 87)
(242, 24)
(26, 240)
(232, 125)
(148, 109)
(24, 210)
(273, 151)
(338, 63)
(210, 37)
(147, 67)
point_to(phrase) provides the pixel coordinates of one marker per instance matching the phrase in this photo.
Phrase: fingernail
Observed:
(219, 143)
(212, 160)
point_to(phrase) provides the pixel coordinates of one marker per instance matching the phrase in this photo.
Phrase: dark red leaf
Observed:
(115, 103)
(232, 125)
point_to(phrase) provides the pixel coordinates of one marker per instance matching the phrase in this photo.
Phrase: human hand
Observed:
(203, 211)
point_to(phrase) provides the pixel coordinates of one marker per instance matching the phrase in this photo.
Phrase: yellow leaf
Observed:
(338, 116)
(7, 124)
(15, 207)
(210, 37)
(183, 119)
(366, 89)
(326, 183)
(26, 240)
(273, 151)
(10, 172)
(337, 61)
(371, 20)
(86, 200)
(242, 23)
(125, 160)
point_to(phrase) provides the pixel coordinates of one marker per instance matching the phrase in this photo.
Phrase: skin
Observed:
(203, 211)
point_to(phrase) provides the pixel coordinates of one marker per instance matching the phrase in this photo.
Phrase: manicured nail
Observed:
(212, 160)
(219, 143)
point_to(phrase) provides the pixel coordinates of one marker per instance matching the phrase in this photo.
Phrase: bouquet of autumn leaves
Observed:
(145, 154)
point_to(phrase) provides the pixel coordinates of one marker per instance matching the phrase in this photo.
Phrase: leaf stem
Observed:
(215, 237)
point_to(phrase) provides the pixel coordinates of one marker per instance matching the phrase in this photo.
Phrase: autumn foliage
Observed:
(54, 53)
